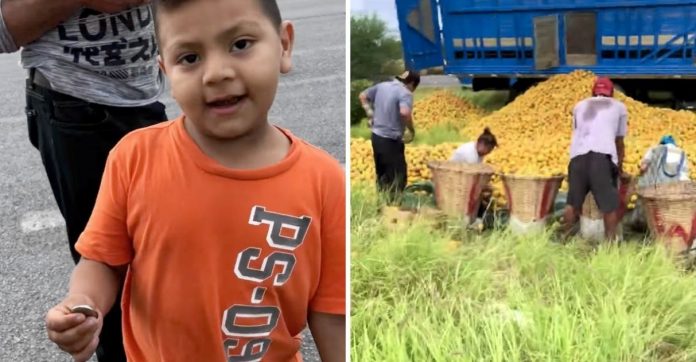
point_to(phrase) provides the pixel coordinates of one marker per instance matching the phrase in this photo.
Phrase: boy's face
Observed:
(223, 59)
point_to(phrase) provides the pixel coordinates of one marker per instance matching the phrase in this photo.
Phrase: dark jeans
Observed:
(390, 165)
(74, 138)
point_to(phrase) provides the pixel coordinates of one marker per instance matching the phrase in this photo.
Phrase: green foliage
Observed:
(372, 51)
(418, 295)
(360, 130)
(438, 134)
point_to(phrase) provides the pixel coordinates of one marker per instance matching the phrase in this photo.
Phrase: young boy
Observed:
(229, 232)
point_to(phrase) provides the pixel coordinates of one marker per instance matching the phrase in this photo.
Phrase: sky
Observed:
(384, 9)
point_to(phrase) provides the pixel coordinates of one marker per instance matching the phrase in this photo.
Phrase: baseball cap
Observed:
(409, 76)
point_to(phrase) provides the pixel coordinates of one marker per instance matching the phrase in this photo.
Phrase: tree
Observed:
(371, 48)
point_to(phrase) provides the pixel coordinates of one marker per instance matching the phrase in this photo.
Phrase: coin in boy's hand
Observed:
(84, 309)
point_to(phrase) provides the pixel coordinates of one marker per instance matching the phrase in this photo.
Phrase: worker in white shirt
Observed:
(474, 152)
(664, 163)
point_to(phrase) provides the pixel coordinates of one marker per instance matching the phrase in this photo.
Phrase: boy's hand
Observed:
(73, 332)
(112, 6)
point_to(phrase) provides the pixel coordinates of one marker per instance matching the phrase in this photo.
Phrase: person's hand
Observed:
(486, 192)
(408, 137)
(73, 332)
(112, 6)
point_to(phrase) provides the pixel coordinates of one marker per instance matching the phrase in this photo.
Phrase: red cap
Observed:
(603, 87)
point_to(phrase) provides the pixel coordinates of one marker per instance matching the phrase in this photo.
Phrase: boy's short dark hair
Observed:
(269, 7)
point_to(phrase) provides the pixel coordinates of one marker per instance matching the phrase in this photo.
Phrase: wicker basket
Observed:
(458, 186)
(670, 210)
(530, 199)
(591, 211)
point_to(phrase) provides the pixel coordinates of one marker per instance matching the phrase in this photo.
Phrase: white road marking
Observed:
(40, 220)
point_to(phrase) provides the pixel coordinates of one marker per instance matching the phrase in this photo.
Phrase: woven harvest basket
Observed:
(670, 210)
(531, 198)
(590, 209)
(458, 186)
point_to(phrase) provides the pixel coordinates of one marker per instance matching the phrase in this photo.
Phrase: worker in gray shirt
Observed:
(389, 107)
(92, 78)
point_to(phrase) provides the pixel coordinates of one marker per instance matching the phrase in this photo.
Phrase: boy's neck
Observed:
(262, 147)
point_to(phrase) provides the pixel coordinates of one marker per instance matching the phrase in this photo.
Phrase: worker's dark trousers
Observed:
(74, 138)
(390, 166)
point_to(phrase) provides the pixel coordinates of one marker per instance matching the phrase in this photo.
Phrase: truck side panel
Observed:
(537, 38)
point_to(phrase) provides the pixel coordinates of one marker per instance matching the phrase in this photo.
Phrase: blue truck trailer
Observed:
(642, 45)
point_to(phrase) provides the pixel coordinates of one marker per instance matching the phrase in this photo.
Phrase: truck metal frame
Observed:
(643, 45)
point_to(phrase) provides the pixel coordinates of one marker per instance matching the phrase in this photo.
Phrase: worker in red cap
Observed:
(596, 155)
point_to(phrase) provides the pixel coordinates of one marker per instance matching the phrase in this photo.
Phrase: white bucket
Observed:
(519, 227)
(593, 229)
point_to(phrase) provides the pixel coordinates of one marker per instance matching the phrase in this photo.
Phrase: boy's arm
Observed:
(329, 333)
(96, 284)
(327, 308)
(93, 282)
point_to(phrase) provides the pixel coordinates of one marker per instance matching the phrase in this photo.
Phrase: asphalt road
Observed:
(439, 81)
(35, 263)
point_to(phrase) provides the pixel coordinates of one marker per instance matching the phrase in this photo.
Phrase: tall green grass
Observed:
(437, 135)
(501, 297)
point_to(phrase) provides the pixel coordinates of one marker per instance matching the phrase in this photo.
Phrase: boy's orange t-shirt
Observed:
(223, 263)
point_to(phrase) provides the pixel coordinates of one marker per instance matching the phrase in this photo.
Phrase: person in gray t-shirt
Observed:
(93, 77)
(389, 107)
